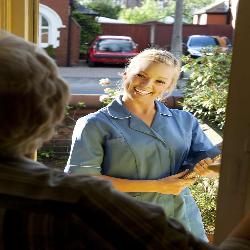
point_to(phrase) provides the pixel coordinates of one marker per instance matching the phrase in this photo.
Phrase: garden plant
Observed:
(205, 95)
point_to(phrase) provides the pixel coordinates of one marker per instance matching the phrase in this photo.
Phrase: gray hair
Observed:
(32, 96)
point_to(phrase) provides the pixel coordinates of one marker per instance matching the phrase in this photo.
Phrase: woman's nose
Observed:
(147, 82)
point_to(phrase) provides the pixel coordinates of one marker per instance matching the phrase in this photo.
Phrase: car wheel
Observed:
(90, 63)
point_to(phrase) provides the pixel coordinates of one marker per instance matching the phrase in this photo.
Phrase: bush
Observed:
(205, 95)
(206, 90)
(205, 192)
(45, 153)
(50, 51)
(89, 30)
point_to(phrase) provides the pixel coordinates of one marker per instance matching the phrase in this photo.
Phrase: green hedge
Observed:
(205, 93)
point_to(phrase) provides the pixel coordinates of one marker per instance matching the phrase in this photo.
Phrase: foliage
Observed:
(206, 90)
(104, 8)
(109, 96)
(50, 51)
(71, 110)
(149, 10)
(89, 29)
(189, 7)
(205, 193)
(110, 93)
(45, 153)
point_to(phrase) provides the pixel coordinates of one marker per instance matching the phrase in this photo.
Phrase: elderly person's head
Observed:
(156, 56)
(32, 96)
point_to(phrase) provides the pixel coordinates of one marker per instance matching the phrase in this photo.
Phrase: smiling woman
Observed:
(140, 145)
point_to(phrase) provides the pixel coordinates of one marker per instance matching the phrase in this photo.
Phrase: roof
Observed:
(82, 9)
(218, 7)
(102, 19)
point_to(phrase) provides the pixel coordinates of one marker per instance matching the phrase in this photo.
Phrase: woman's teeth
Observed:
(142, 92)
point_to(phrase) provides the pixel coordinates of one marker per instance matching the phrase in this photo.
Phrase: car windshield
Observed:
(114, 45)
(203, 42)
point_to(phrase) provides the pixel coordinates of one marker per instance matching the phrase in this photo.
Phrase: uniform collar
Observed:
(118, 111)
(162, 109)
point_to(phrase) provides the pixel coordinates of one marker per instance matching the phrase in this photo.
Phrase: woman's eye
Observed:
(160, 82)
(140, 75)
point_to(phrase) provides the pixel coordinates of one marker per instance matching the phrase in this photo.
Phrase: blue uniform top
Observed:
(114, 142)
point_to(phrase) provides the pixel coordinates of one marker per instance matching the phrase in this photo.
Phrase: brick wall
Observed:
(61, 141)
(61, 7)
(75, 42)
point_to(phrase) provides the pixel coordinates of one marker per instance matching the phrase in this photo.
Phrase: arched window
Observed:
(44, 31)
(49, 24)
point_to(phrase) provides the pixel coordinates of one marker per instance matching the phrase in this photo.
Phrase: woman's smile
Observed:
(141, 91)
(148, 80)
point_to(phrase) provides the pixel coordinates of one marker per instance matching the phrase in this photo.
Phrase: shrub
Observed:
(72, 110)
(50, 51)
(89, 30)
(45, 153)
(206, 90)
(205, 192)
(205, 95)
(110, 93)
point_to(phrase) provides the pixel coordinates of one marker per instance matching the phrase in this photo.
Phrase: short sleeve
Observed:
(86, 153)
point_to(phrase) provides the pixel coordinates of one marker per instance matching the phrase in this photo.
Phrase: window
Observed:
(115, 45)
(44, 35)
(203, 42)
(49, 24)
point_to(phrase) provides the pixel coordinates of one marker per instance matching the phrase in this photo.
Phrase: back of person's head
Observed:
(32, 96)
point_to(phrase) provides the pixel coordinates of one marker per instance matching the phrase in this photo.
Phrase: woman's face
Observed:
(147, 80)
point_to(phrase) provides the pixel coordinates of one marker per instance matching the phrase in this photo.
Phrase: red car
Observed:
(111, 49)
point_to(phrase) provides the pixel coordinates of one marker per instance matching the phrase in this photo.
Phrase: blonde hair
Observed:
(158, 56)
(32, 96)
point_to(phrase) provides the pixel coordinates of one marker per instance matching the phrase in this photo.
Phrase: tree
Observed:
(104, 8)
(89, 29)
(189, 7)
(149, 10)
(176, 42)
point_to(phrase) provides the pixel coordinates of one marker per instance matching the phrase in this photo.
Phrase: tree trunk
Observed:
(176, 42)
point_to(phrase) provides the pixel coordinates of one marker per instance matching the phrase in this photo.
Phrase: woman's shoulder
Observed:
(92, 117)
(90, 120)
(184, 117)
(181, 113)
(175, 112)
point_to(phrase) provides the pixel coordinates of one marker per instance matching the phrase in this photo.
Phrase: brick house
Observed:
(217, 13)
(58, 29)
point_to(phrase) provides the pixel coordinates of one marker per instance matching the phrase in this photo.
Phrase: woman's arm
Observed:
(86, 153)
(169, 185)
(202, 148)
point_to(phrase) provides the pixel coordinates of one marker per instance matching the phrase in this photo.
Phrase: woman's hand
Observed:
(208, 168)
(174, 184)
